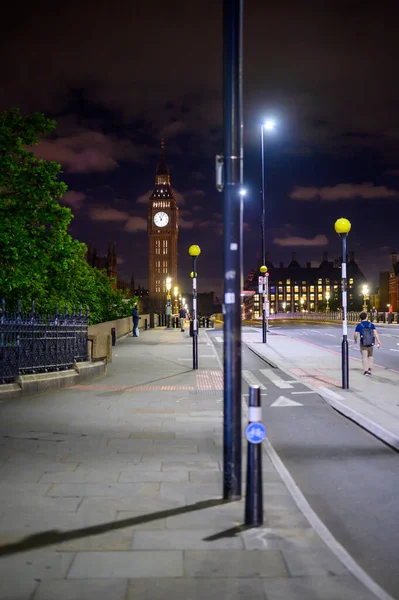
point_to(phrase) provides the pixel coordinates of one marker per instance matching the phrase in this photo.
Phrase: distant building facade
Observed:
(106, 262)
(394, 284)
(295, 288)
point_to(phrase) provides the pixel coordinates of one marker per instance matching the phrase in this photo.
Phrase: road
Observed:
(349, 478)
(329, 336)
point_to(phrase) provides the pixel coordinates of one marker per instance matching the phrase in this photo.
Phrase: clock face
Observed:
(161, 219)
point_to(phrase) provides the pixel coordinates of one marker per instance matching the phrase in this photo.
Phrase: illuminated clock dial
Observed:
(161, 219)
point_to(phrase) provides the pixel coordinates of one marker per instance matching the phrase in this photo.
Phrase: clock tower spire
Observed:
(162, 229)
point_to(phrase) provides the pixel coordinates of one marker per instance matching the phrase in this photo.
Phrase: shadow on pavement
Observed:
(48, 538)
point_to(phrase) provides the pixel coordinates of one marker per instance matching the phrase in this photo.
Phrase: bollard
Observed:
(159, 320)
(255, 434)
(113, 335)
(152, 320)
(145, 324)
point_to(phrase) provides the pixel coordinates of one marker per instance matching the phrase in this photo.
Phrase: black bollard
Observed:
(113, 335)
(255, 434)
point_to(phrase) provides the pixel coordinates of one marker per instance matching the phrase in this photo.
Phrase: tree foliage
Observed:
(39, 260)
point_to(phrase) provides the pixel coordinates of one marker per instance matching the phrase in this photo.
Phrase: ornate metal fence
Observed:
(32, 343)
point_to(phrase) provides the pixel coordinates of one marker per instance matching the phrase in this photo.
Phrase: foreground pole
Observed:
(255, 434)
(233, 202)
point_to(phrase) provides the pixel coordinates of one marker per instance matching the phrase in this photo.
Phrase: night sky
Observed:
(119, 76)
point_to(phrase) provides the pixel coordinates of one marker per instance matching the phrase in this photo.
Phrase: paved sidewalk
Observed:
(371, 402)
(112, 491)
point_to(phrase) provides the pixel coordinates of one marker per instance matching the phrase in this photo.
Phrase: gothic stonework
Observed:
(162, 228)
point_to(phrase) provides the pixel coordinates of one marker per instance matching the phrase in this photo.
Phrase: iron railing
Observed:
(33, 343)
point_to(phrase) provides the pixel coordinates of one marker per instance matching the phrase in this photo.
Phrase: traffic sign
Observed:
(267, 308)
(255, 433)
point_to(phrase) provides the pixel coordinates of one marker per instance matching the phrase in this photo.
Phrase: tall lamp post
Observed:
(343, 227)
(267, 126)
(194, 251)
(168, 300)
(263, 270)
(365, 292)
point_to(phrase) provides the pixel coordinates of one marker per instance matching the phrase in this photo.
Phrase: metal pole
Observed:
(262, 217)
(195, 322)
(233, 153)
(254, 492)
(345, 349)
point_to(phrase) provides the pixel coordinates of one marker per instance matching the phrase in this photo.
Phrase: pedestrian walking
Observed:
(183, 316)
(135, 316)
(366, 331)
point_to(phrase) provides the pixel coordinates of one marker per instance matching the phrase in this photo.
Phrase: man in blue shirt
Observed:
(368, 336)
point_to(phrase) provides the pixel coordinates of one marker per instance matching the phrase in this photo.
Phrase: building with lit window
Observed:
(295, 288)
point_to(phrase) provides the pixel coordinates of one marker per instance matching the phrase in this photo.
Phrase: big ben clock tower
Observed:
(162, 228)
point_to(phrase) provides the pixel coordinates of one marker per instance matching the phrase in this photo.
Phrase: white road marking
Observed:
(283, 401)
(276, 379)
(330, 334)
(252, 380)
(219, 339)
(307, 392)
(394, 349)
(325, 534)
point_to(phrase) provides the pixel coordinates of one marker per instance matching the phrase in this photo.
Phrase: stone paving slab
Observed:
(190, 540)
(196, 589)
(110, 565)
(234, 563)
(82, 589)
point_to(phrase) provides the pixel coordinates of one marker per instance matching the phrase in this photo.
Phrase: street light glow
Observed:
(269, 125)
(243, 192)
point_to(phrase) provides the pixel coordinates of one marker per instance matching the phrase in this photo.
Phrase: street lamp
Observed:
(263, 270)
(284, 306)
(365, 292)
(194, 251)
(327, 301)
(168, 306)
(268, 125)
(343, 227)
(302, 301)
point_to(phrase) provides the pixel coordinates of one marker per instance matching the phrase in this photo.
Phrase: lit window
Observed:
(280, 296)
(312, 296)
(288, 288)
(288, 296)
(296, 289)
(304, 288)
(296, 296)
(320, 296)
(157, 247)
(312, 288)
(288, 281)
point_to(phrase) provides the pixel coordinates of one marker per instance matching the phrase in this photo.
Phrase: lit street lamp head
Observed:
(194, 250)
(263, 269)
(269, 125)
(342, 226)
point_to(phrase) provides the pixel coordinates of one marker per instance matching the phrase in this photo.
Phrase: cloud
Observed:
(318, 240)
(108, 214)
(89, 152)
(135, 224)
(73, 198)
(173, 129)
(343, 191)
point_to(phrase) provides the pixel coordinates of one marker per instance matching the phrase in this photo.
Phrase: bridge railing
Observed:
(33, 343)
(353, 316)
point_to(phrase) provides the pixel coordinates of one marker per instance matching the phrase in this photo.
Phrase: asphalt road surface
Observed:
(349, 478)
(330, 336)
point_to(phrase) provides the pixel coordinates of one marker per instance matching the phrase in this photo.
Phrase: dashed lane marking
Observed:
(276, 379)
(252, 380)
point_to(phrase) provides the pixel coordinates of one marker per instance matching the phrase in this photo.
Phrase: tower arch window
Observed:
(157, 246)
(164, 246)
(157, 286)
